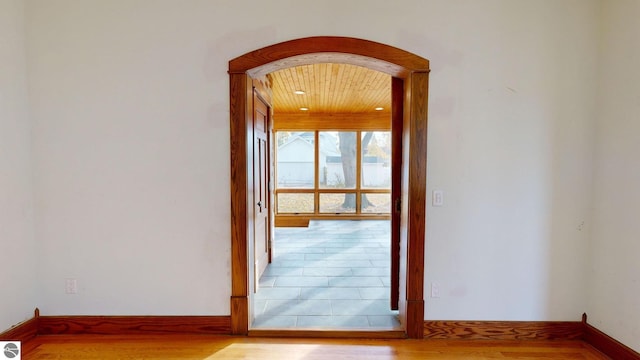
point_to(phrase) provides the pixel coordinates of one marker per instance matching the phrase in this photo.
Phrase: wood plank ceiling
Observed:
(330, 89)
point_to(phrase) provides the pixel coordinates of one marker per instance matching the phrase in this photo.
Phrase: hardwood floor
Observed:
(227, 347)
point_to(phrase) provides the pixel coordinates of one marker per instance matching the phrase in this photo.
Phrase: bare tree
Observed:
(348, 150)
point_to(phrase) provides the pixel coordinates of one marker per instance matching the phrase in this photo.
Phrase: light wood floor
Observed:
(168, 347)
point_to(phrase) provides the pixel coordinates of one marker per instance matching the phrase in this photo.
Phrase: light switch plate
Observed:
(437, 198)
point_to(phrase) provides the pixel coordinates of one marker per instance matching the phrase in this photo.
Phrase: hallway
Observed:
(334, 274)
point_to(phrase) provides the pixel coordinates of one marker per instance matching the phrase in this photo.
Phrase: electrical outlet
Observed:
(71, 286)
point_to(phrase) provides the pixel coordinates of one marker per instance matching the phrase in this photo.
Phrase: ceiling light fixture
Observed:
(379, 108)
(299, 92)
(304, 109)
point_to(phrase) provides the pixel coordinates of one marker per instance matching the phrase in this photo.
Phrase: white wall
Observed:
(510, 143)
(130, 102)
(131, 151)
(17, 245)
(614, 295)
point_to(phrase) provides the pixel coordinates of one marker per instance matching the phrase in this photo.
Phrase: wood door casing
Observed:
(414, 71)
(261, 187)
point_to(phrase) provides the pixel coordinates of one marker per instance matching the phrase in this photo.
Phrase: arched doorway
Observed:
(410, 83)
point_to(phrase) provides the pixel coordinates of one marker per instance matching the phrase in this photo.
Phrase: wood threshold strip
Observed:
(322, 333)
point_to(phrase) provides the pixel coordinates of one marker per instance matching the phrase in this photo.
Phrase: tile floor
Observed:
(333, 274)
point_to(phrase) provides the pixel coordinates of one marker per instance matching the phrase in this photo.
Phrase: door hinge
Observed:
(398, 205)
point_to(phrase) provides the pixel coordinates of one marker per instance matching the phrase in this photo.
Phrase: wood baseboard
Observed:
(24, 331)
(134, 325)
(606, 344)
(221, 325)
(530, 330)
(503, 330)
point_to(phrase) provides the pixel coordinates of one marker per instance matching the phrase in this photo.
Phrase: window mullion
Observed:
(358, 171)
(316, 175)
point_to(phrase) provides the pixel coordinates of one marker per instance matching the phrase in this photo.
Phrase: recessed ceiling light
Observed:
(379, 108)
(299, 92)
(304, 109)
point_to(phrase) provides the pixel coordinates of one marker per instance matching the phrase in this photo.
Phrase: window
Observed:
(337, 173)
(296, 160)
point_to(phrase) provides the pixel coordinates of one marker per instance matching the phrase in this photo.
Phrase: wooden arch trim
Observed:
(313, 50)
(410, 73)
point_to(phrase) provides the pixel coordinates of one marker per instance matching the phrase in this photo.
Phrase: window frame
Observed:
(299, 219)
